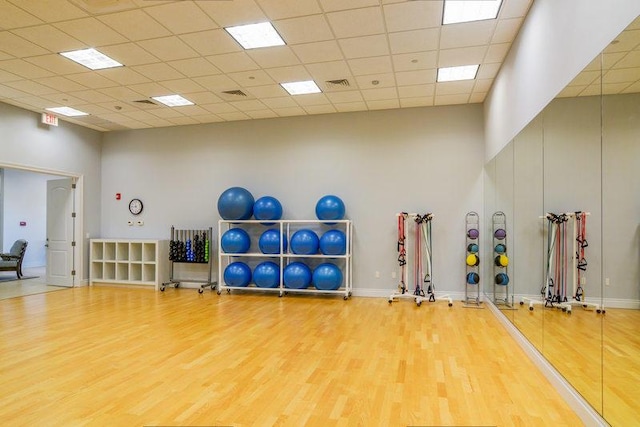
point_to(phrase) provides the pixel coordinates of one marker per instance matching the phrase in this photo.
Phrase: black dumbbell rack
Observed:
(191, 247)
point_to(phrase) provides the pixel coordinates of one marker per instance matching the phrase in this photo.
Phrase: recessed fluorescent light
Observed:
(456, 11)
(452, 74)
(173, 100)
(253, 36)
(91, 58)
(301, 88)
(67, 111)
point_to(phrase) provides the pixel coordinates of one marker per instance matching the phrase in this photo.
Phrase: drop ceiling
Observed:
(363, 54)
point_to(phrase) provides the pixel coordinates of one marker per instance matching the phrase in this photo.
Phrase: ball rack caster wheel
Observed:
(450, 304)
(219, 291)
(521, 302)
(598, 311)
(345, 297)
(200, 290)
(228, 291)
(177, 285)
(162, 290)
(530, 308)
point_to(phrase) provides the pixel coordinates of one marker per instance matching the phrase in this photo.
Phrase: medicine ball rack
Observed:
(190, 247)
(472, 251)
(285, 256)
(502, 294)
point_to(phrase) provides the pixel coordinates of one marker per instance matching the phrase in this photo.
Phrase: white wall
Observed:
(25, 197)
(557, 40)
(68, 149)
(379, 163)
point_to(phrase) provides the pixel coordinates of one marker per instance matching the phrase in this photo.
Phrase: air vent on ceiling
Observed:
(145, 101)
(234, 92)
(339, 82)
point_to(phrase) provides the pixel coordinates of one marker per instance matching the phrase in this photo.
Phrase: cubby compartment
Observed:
(109, 251)
(148, 272)
(97, 250)
(148, 252)
(135, 272)
(97, 269)
(135, 252)
(109, 271)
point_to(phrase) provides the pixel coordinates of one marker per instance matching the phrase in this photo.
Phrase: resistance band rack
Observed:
(472, 278)
(190, 247)
(502, 293)
(414, 239)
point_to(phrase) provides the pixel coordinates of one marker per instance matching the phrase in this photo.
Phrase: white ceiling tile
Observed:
(19, 47)
(168, 48)
(94, 109)
(128, 54)
(319, 109)
(233, 62)
(379, 94)
(356, 22)
(50, 38)
(230, 13)
(194, 67)
(118, 107)
(413, 15)
(467, 34)
(5, 76)
(92, 80)
(125, 75)
(506, 30)
(4, 56)
(455, 88)
(13, 17)
(142, 116)
(120, 93)
(630, 60)
(416, 102)
(477, 97)
(283, 102)
(152, 89)
(166, 113)
(31, 87)
(345, 96)
(135, 25)
(57, 64)
(250, 105)
(289, 74)
(191, 110)
(634, 88)
(417, 91)
(386, 104)
(234, 116)
(9, 92)
(414, 41)
(372, 65)
(497, 52)
(374, 81)
(37, 101)
(305, 29)
(290, 111)
(61, 83)
(208, 118)
(91, 32)
(183, 121)
(333, 5)
(270, 57)
(217, 83)
(311, 99)
(329, 70)
(488, 71)
(91, 96)
(47, 11)
(451, 99)
(361, 47)
(593, 90)
(482, 85)
(261, 114)
(251, 78)
(621, 76)
(514, 8)
(211, 42)
(281, 9)
(202, 98)
(156, 72)
(318, 52)
(462, 56)
(181, 17)
(585, 78)
(25, 69)
(419, 77)
(351, 106)
(267, 91)
(415, 61)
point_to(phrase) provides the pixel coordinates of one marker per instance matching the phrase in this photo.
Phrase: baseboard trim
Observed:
(580, 406)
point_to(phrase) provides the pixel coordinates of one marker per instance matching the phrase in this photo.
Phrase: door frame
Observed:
(78, 201)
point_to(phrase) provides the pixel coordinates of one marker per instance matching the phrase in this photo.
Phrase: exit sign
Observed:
(49, 119)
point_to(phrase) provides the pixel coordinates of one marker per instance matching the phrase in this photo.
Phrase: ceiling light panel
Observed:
(301, 88)
(67, 111)
(452, 74)
(255, 36)
(91, 59)
(456, 11)
(173, 100)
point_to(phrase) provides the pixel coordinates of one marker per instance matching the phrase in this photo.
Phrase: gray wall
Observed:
(379, 163)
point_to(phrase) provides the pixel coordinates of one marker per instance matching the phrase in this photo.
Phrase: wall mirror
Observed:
(580, 154)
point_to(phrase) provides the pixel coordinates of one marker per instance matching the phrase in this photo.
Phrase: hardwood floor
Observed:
(110, 356)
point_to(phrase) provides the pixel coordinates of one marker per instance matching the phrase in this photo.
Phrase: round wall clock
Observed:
(135, 206)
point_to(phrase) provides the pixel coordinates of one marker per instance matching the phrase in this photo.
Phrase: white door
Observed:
(60, 223)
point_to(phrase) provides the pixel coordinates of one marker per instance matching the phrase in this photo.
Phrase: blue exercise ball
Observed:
(330, 207)
(304, 242)
(333, 242)
(267, 275)
(235, 203)
(268, 208)
(296, 275)
(473, 278)
(269, 242)
(235, 241)
(237, 274)
(327, 277)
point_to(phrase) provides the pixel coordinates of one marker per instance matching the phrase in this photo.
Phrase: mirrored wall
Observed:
(569, 187)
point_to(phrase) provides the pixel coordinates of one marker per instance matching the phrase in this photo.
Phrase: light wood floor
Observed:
(18, 288)
(108, 356)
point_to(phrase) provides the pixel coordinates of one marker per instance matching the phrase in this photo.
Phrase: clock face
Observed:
(135, 206)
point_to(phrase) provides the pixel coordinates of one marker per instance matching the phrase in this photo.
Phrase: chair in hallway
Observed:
(12, 261)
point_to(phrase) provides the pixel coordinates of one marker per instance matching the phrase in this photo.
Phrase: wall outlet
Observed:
(606, 282)
(140, 222)
(129, 222)
(377, 274)
(583, 281)
(393, 274)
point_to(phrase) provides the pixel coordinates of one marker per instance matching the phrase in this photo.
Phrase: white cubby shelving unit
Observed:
(286, 228)
(128, 262)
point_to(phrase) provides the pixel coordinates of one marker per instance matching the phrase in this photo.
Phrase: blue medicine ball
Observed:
(235, 241)
(327, 277)
(235, 203)
(333, 242)
(502, 279)
(473, 278)
(237, 274)
(304, 242)
(296, 275)
(268, 208)
(269, 242)
(330, 207)
(267, 275)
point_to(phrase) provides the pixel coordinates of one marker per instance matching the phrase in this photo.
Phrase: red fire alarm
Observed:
(118, 196)
(23, 223)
